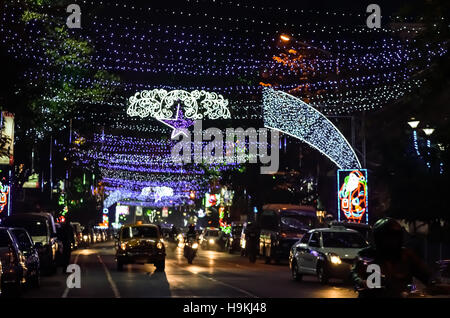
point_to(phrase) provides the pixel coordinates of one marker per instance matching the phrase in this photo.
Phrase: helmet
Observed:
(387, 231)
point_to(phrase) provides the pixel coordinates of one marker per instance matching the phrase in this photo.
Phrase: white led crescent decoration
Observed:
(292, 116)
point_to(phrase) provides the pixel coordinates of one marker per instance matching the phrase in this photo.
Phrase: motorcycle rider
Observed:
(398, 264)
(191, 233)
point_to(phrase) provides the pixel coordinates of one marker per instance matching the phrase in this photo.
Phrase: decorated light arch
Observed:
(291, 116)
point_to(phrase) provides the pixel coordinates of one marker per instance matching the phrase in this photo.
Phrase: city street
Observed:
(213, 274)
(311, 136)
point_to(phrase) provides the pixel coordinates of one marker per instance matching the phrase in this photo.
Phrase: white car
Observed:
(327, 253)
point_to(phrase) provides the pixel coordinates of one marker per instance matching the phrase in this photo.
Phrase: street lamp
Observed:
(428, 131)
(413, 123)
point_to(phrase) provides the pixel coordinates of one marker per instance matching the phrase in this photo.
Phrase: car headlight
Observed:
(195, 246)
(211, 241)
(123, 246)
(159, 245)
(335, 259)
(85, 237)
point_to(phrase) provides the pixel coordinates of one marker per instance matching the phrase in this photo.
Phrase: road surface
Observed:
(213, 274)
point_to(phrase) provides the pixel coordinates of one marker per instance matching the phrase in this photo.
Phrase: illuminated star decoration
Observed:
(179, 124)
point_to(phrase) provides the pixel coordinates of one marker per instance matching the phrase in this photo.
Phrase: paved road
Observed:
(213, 274)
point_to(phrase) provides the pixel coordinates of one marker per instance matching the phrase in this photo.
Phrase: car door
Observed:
(312, 253)
(5, 243)
(301, 251)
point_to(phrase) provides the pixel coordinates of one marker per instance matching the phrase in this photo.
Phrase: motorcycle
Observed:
(190, 249)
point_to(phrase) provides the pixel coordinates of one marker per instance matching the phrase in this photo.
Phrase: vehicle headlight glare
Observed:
(335, 259)
(159, 245)
(211, 241)
(195, 246)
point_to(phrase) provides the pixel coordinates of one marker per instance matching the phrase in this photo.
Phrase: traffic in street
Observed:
(213, 274)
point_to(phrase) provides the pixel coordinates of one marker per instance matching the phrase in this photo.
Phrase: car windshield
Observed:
(34, 227)
(141, 232)
(343, 240)
(23, 239)
(212, 233)
(296, 224)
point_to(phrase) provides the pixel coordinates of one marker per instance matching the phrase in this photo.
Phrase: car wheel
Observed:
(119, 266)
(12, 290)
(295, 273)
(161, 265)
(322, 274)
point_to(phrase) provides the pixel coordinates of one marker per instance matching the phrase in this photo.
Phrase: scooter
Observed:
(190, 249)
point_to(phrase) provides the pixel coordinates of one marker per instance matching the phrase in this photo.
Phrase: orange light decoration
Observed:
(285, 38)
(352, 195)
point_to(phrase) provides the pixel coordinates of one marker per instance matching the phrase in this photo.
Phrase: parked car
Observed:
(281, 226)
(14, 271)
(140, 244)
(443, 271)
(30, 253)
(42, 229)
(326, 253)
(1, 273)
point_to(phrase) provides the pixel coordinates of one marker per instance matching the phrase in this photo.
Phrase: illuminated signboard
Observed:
(165, 212)
(352, 195)
(4, 196)
(122, 209)
(212, 200)
(7, 125)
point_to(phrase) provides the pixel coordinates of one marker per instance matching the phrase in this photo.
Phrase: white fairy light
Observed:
(158, 103)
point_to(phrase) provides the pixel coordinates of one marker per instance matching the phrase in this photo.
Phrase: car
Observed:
(86, 238)
(41, 227)
(1, 273)
(210, 239)
(14, 271)
(326, 253)
(31, 256)
(443, 271)
(234, 238)
(281, 226)
(140, 244)
(77, 229)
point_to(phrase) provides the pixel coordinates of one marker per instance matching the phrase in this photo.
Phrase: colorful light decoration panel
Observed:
(352, 195)
(4, 196)
(292, 116)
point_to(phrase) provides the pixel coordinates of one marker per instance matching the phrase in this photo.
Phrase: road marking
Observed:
(110, 280)
(230, 286)
(66, 291)
(218, 282)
